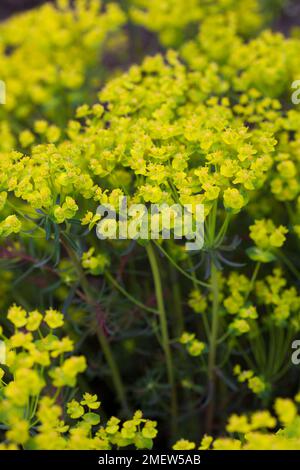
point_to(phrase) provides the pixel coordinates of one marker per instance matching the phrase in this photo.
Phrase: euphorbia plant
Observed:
(257, 432)
(181, 333)
(39, 409)
(176, 21)
(55, 68)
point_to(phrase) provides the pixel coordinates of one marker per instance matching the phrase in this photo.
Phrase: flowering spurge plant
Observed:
(158, 136)
(275, 57)
(257, 432)
(38, 390)
(180, 334)
(262, 94)
(176, 21)
(50, 62)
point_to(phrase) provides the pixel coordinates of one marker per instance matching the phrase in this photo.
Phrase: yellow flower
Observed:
(39, 357)
(238, 424)
(53, 318)
(27, 383)
(257, 385)
(297, 398)
(90, 401)
(195, 348)
(34, 320)
(17, 316)
(240, 326)
(20, 339)
(62, 346)
(286, 410)
(277, 238)
(266, 235)
(19, 432)
(183, 444)
(3, 198)
(10, 225)
(197, 301)
(90, 219)
(287, 169)
(112, 426)
(96, 264)
(233, 199)
(206, 442)
(186, 337)
(149, 430)
(74, 409)
(26, 138)
(67, 373)
(40, 126)
(227, 444)
(262, 419)
(66, 211)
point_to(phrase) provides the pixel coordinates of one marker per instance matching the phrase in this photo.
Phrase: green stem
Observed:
(196, 287)
(182, 271)
(116, 376)
(253, 279)
(164, 332)
(110, 278)
(213, 346)
(212, 221)
(289, 264)
(104, 343)
(221, 235)
(282, 352)
(177, 304)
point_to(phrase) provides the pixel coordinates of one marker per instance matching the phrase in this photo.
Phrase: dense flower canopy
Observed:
(206, 119)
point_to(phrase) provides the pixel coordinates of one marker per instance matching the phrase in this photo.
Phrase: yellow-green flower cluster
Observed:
(194, 346)
(55, 67)
(173, 141)
(95, 264)
(11, 224)
(180, 144)
(208, 125)
(197, 301)
(255, 383)
(266, 235)
(238, 287)
(283, 301)
(266, 65)
(31, 414)
(257, 432)
(176, 20)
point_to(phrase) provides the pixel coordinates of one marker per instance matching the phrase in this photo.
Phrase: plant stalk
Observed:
(104, 343)
(164, 333)
(213, 348)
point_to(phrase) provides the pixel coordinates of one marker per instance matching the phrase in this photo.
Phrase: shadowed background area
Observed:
(289, 17)
(7, 7)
